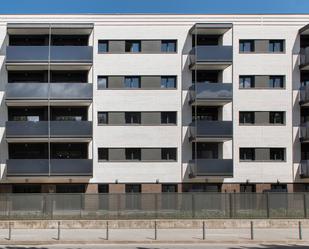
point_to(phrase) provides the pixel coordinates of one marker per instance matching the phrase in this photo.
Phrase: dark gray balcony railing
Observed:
(74, 167)
(211, 129)
(28, 129)
(213, 167)
(304, 95)
(304, 57)
(212, 92)
(53, 91)
(41, 167)
(71, 128)
(40, 54)
(27, 167)
(304, 131)
(304, 169)
(215, 54)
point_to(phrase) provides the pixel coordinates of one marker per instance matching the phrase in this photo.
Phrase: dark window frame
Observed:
(102, 77)
(106, 43)
(167, 84)
(242, 46)
(273, 119)
(243, 118)
(169, 154)
(131, 83)
(246, 151)
(166, 118)
(133, 118)
(129, 46)
(104, 152)
(167, 43)
(277, 154)
(272, 46)
(272, 81)
(243, 84)
(133, 154)
(106, 118)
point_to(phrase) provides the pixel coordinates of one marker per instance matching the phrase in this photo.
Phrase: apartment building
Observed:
(154, 103)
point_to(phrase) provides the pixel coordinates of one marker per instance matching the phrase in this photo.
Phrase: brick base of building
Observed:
(93, 188)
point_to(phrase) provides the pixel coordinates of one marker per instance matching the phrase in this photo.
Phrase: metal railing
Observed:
(54, 91)
(154, 206)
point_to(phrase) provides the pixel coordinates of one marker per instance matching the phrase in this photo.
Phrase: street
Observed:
(165, 246)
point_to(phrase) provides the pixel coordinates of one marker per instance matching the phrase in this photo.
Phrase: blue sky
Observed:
(154, 6)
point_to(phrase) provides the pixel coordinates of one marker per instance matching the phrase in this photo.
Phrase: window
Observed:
(247, 154)
(276, 46)
(168, 46)
(247, 188)
(133, 117)
(26, 188)
(279, 188)
(169, 188)
(168, 118)
(133, 46)
(102, 46)
(276, 81)
(102, 82)
(102, 118)
(246, 81)
(103, 188)
(133, 154)
(132, 82)
(246, 45)
(103, 154)
(168, 82)
(276, 154)
(246, 117)
(276, 117)
(169, 154)
(133, 188)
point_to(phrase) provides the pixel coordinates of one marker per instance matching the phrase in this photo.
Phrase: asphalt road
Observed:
(165, 246)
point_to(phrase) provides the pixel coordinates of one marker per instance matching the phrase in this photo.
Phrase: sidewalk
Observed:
(97, 236)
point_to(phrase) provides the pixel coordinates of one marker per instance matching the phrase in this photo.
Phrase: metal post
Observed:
(305, 206)
(251, 230)
(107, 231)
(231, 204)
(156, 232)
(156, 205)
(300, 234)
(204, 232)
(193, 205)
(58, 237)
(267, 204)
(10, 231)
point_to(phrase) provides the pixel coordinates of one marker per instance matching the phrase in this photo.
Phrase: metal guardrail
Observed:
(154, 206)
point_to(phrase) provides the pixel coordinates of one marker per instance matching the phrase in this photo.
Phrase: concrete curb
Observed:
(121, 242)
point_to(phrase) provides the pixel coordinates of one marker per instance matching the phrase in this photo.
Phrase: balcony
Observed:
(41, 54)
(211, 131)
(304, 132)
(52, 92)
(304, 58)
(43, 129)
(41, 167)
(211, 57)
(304, 96)
(57, 58)
(304, 169)
(212, 167)
(211, 94)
